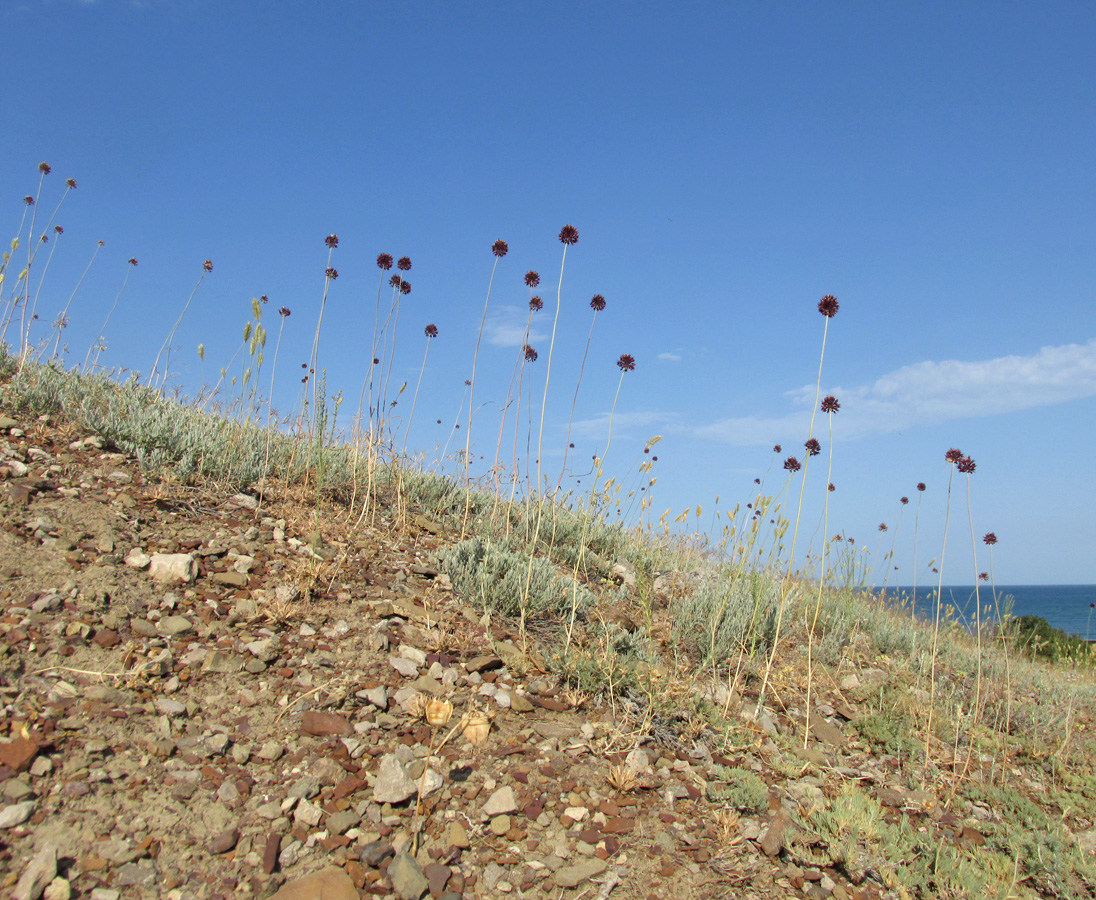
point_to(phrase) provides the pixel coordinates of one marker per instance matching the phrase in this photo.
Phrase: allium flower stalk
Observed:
(431, 332)
(597, 304)
(330, 274)
(207, 267)
(499, 249)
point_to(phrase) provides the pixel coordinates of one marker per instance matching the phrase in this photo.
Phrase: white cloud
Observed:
(928, 393)
(670, 356)
(505, 327)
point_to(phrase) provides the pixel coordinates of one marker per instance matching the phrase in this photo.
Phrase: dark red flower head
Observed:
(813, 447)
(532, 278)
(777, 448)
(597, 304)
(431, 331)
(332, 241)
(831, 487)
(71, 182)
(264, 298)
(627, 362)
(331, 272)
(384, 261)
(830, 404)
(29, 200)
(404, 263)
(283, 312)
(990, 538)
(903, 500)
(953, 455)
(45, 168)
(882, 526)
(828, 306)
(568, 234)
(920, 485)
(58, 229)
(500, 248)
(536, 304)
(984, 576)
(133, 260)
(395, 281)
(530, 353)
(792, 464)
(965, 465)
(208, 265)
(405, 287)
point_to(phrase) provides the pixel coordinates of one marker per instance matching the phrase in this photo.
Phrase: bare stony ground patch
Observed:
(197, 700)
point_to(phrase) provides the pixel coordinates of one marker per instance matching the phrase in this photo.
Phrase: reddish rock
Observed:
(348, 786)
(618, 825)
(772, 841)
(550, 704)
(321, 723)
(17, 755)
(270, 852)
(437, 876)
(106, 638)
(224, 842)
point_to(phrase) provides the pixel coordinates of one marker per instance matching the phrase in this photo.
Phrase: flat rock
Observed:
(407, 878)
(320, 723)
(327, 884)
(18, 754)
(500, 802)
(393, 784)
(39, 872)
(16, 814)
(224, 842)
(584, 870)
(173, 567)
(169, 626)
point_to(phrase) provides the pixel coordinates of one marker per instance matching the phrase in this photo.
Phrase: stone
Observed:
(224, 842)
(58, 889)
(393, 784)
(137, 558)
(270, 852)
(18, 754)
(500, 802)
(327, 884)
(377, 696)
(265, 650)
(39, 872)
(321, 723)
(141, 874)
(437, 876)
(574, 875)
(16, 814)
(339, 822)
(173, 567)
(520, 703)
(772, 841)
(405, 667)
(407, 878)
(307, 813)
(170, 626)
(165, 706)
(375, 852)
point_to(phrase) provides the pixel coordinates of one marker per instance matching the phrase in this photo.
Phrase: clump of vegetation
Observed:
(1036, 637)
(737, 787)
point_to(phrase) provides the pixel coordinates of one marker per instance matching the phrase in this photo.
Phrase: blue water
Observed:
(1065, 606)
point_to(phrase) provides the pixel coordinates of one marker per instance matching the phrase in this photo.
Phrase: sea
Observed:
(1070, 607)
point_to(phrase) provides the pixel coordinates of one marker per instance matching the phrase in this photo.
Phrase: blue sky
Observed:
(726, 164)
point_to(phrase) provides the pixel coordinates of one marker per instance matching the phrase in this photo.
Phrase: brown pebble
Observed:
(224, 842)
(321, 723)
(17, 755)
(270, 852)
